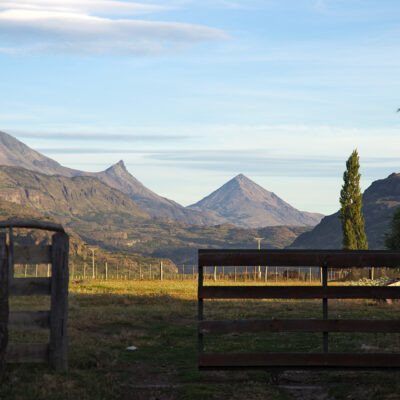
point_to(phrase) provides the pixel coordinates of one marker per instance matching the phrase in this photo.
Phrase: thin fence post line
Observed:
(266, 273)
(84, 270)
(161, 270)
(235, 272)
(26, 268)
(276, 274)
(215, 273)
(36, 270)
(310, 274)
(106, 270)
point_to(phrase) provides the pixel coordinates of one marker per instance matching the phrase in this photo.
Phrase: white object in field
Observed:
(131, 348)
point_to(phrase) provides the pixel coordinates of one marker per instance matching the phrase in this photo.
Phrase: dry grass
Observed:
(160, 319)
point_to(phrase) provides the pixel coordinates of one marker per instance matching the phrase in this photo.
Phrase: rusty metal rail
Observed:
(291, 258)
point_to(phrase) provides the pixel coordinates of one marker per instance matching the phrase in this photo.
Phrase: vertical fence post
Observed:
(235, 273)
(161, 271)
(4, 271)
(325, 307)
(215, 273)
(193, 272)
(266, 274)
(59, 301)
(106, 270)
(84, 270)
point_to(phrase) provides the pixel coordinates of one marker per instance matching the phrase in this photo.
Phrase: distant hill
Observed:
(244, 203)
(379, 202)
(17, 154)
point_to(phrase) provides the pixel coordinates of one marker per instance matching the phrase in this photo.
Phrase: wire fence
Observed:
(113, 271)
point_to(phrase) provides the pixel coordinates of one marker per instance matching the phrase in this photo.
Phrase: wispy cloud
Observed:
(87, 27)
(92, 137)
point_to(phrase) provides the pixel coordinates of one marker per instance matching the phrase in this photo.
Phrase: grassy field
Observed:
(159, 318)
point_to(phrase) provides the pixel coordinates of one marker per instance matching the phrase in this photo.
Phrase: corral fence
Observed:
(55, 286)
(295, 258)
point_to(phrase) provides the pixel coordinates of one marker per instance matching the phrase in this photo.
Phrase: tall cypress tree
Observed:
(354, 237)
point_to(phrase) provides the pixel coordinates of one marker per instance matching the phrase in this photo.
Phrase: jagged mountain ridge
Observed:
(244, 203)
(380, 200)
(108, 218)
(17, 154)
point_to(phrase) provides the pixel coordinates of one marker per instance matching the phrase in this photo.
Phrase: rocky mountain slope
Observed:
(118, 177)
(244, 203)
(108, 218)
(379, 202)
(17, 154)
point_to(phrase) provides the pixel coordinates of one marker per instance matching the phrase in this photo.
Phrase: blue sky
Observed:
(191, 93)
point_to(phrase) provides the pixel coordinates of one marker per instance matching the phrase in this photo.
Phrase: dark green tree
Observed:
(392, 239)
(354, 237)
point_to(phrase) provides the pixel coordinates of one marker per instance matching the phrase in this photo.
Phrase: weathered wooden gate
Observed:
(56, 286)
(298, 258)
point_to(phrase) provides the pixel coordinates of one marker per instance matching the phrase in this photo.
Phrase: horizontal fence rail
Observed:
(32, 254)
(299, 258)
(323, 259)
(298, 292)
(299, 325)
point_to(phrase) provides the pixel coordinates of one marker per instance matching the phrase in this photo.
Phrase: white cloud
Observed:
(78, 26)
(110, 7)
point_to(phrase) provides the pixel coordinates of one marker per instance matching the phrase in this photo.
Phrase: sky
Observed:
(191, 93)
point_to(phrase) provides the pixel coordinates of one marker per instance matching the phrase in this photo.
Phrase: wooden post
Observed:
(93, 270)
(26, 270)
(10, 254)
(161, 271)
(106, 270)
(266, 274)
(215, 273)
(372, 272)
(183, 271)
(310, 275)
(325, 308)
(36, 270)
(4, 310)
(235, 273)
(276, 274)
(84, 270)
(59, 301)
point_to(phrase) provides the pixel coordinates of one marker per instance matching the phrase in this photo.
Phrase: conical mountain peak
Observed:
(243, 202)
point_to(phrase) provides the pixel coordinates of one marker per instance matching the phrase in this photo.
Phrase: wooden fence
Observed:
(292, 258)
(56, 286)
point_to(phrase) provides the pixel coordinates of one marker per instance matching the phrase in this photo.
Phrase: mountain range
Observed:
(380, 200)
(240, 201)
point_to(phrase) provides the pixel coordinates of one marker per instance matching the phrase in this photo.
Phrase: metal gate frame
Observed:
(297, 258)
